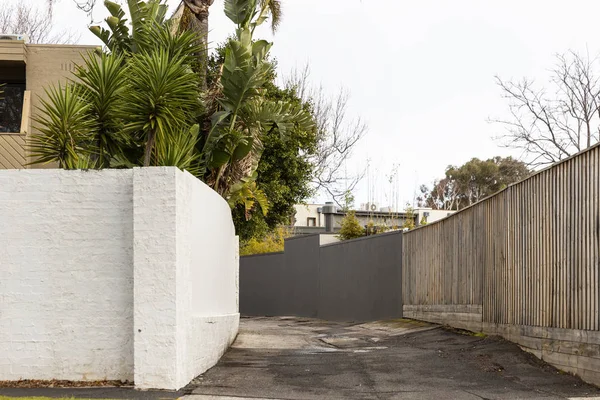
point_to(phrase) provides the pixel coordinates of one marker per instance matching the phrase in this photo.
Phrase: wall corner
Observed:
(155, 278)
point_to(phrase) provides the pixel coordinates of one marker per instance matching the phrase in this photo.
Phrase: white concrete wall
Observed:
(303, 211)
(66, 275)
(114, 274)
(207, 258)
(155, 278)
(189, 245)
(328, 238)
(434, 215)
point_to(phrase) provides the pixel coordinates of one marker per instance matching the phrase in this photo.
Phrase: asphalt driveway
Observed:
(296, 358)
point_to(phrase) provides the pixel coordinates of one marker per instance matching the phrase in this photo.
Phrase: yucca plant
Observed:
(101, 82)
(64, 128)
(149, 30)
(119, 38)
(160, 97)
(179, 148)
(142, 93)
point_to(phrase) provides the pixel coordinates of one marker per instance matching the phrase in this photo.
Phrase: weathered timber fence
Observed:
(523, 263)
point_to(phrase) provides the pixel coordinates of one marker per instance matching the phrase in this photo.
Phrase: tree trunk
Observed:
(195, 18)
(149, 148)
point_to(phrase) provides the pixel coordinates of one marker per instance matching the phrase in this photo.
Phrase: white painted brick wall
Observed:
(114, 274)
(66, 289)
(207, 257)
(155, 273)
(183, 238)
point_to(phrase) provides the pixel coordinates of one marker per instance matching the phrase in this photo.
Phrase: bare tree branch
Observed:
(337, 133)
(37, 24)
(550, 125)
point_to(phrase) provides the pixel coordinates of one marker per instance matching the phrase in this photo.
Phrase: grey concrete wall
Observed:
(301, 276)
(261, 284)
(357, 280)
(360, 280)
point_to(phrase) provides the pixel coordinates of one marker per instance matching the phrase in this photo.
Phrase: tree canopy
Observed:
(467, 184)
(285, 170)
(143, 103)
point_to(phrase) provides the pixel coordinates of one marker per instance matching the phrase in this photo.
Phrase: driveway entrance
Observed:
(298, 358)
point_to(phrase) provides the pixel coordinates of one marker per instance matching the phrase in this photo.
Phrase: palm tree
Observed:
(192, 15)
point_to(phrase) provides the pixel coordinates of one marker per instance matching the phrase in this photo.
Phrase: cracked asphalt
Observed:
(298, 358)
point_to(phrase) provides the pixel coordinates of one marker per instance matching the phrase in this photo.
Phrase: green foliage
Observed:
(147, 23)
(243, 112)
(471, 182)
(143, 104)
(350, 228)
(409, 221)
(64, 128)
(101, 84)
(373, 228)
(139, 100)
(270, 243)
(423, 221)
(245, 70)
(284, 169)
(348, 203)
(160, 99)
(179, 148)
(246, 193)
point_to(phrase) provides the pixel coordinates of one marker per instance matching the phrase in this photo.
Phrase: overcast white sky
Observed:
(420, 73)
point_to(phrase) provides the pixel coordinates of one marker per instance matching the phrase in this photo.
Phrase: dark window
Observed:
(11, 106)
(12, 91)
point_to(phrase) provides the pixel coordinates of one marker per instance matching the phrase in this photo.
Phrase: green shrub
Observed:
(409, 222)
(351, 228)
(271, 243)
(373, 228)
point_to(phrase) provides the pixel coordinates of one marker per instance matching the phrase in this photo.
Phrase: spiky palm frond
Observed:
(101, 81)
(83, 161)
(146, 16)
(178, 149)
(64, 128)
(161, 95)
(181, 45)
(274, 8)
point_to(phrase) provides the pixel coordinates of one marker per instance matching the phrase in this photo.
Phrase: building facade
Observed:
(310, 218)
(25, 71)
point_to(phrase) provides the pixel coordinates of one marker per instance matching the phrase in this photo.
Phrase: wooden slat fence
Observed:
(530, 255)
